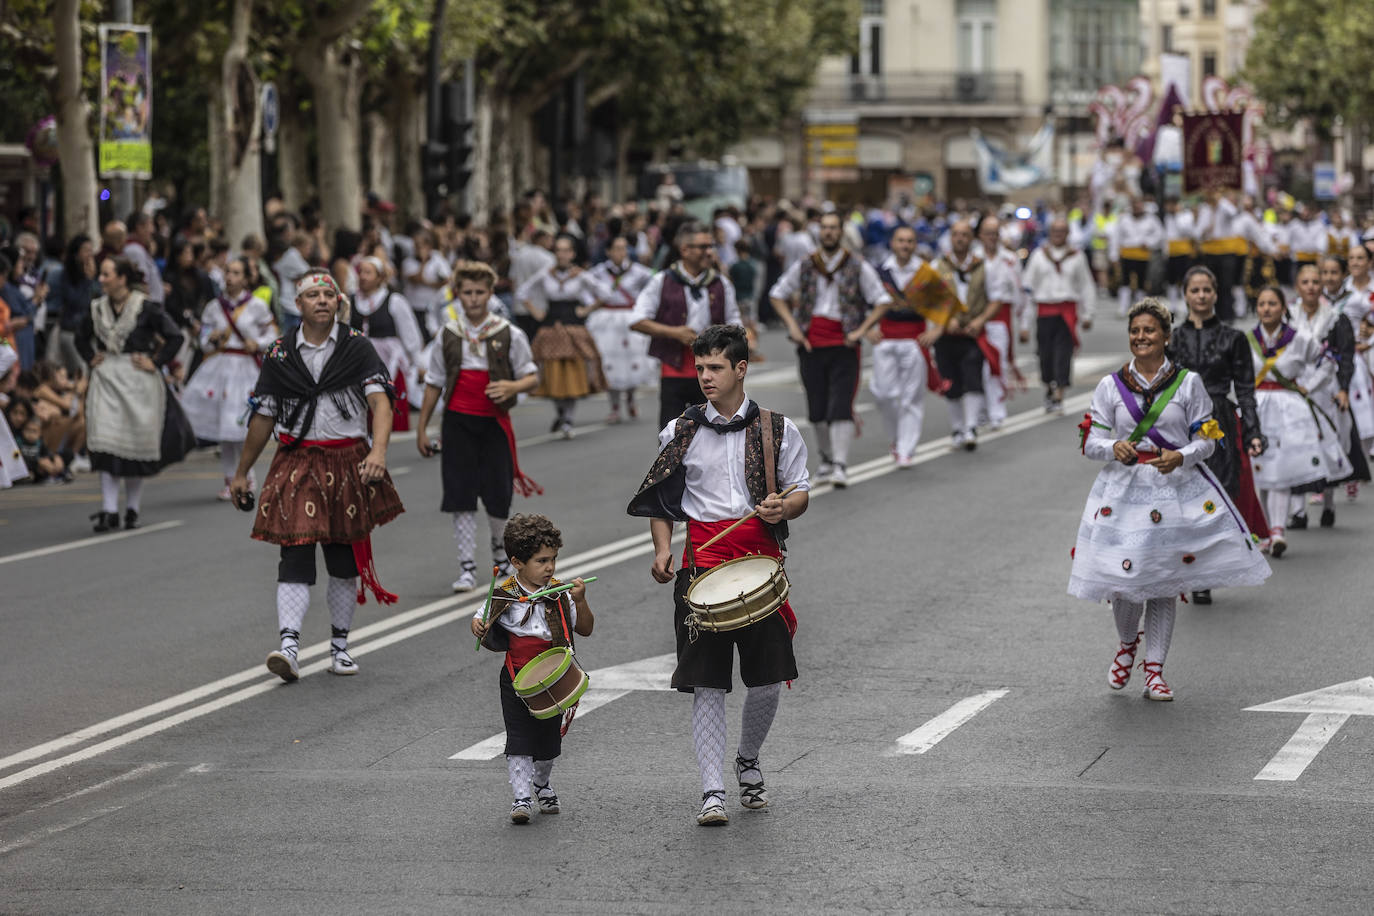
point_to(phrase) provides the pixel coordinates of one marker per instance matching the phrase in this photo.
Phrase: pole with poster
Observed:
(126, 102)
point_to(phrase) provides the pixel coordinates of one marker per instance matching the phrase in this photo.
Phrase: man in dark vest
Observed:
(959, 352)
(674, 307)
(697, 479)
(479, 364)
(834, 292)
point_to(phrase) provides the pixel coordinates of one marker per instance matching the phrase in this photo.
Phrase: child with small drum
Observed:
(535, 629)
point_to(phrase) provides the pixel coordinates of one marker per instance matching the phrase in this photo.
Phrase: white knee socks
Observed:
(1123, 299)
(133, 493)
(973, 409)
(708, 734)
(342, 597)
(229, 453)
(543, 772)
(521, 771)
(1159, 628)
(109, 492)
(1276, 507)
(465, 533)
(841, 435)
(760, 706)
(822, 431)
(1127, 614)
(293, 600)
(498, 544)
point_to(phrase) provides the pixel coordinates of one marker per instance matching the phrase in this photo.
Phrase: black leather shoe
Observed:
(105, 521)
(1328, 518)
(1203, 597)
(1297, 522)
(130, 520)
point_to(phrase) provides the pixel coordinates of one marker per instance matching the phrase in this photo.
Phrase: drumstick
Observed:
(486, 608)
(566, 586)
(743, 520)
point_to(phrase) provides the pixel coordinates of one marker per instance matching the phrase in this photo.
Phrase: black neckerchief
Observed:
(286, 378)
(708, 275)
(697, 414)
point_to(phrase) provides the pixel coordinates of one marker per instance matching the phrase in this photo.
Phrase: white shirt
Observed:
(255, 320)
(794, 246)
(698, 302)
(902, 273)
(828, 291)
(423, 298)
(1321, 372)
(716, 489)
(1180, 226)
(289, 268)
(1247, 226)
(1358, 304)
(1308, 236)
(407, 328)
(1190, 406)
(1002, 277)
(1143, 231)
(631, 281)
(1073, 281)
(556, 285)
(521, 360)
(329, 422)
(141, 259)
(538, 623)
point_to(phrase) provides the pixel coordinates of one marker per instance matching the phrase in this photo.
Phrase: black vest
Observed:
(379, 323)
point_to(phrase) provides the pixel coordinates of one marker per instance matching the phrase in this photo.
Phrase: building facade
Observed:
(1213, 34)
(898, 115)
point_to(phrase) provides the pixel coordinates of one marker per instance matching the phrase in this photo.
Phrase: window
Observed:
(1209, 64)
(1209, 9)
(976, 33)
(872, 7)
(1166, 39)
(869, 60)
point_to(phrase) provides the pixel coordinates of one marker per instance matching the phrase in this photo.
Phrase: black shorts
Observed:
(475, 462)
(1135, 274)
(765, 650)
(297, 563)
(527, 736)
(830, 376)
(1178, 268)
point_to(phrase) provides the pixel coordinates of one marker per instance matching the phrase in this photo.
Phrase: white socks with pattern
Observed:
(760, 706)
(520, 768)
(841, 435)
(465, 533)
(1127, 615)
(293, 600)
(708, 734)
(498, 544)
(342, 597)
(543, 772)
(1276, 507)
(1159, 628)
(229, 453)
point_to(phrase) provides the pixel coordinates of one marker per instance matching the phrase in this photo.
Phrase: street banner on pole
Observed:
(1213, 151)
(126, 101)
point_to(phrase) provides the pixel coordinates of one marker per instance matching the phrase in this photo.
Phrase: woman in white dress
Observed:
(624, 353)
(1157, 523)
(234, 329)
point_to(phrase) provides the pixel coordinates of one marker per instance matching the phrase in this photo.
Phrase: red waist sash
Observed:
(1067, 310)
(825, 332)
(1268, 385)
(470, 394)
(319, 443)
(896, 329)
(522, 649)
(751, 537)
(688, 368)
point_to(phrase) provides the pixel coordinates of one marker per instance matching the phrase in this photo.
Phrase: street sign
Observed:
(1324, 181)
(1326, 709)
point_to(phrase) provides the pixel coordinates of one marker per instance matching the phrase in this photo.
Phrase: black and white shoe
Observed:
(1298, 522)
(713, 810)
(751, 791)
(520, 811)
(105, 521)
(130, 519)
(546, 799)
(284, 665)
(342, 662)
(1203, 596)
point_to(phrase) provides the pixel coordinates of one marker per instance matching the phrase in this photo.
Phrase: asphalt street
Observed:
(950, 746)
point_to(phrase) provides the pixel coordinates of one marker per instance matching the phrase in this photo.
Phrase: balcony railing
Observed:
(924, 87)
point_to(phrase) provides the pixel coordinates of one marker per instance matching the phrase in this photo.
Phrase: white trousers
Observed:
(898, 385)
(999, 335)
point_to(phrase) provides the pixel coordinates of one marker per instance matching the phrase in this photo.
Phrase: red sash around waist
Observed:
(320, 443)
(522, 649)
(1268, 385)
(825, 332)
(1067, 310)
(751, 537)
(897, 329)
(470, 394)
(688, 369)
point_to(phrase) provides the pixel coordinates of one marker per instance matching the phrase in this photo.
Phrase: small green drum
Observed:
(550, 683)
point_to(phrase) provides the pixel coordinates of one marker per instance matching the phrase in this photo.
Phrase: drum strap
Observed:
(770, 462)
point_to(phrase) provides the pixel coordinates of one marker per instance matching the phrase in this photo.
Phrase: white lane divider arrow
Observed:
(1326, 709)
(943, 725)
(606, 684)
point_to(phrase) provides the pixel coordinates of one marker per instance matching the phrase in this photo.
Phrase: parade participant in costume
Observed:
(523, 629)
(1280, 232)
(126, 340)
(560, 299)
(1308, 238)
(1259, 268)
(1138, 234)
(1362, 384)
(674, 307)
(1304, 447)
(1008, 308)
(834, 292)
(1156, 523)
(922, 304)
(958, 352)
(718, 462)
(1220, 356)
(1180, 233)
(389, 323)
(1223, 250)
(1327, 380)
(234, 330)
(1062, 286)
(624, 353)
(478, 367)
(326, 485)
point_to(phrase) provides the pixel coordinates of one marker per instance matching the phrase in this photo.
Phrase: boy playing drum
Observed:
(523, 629)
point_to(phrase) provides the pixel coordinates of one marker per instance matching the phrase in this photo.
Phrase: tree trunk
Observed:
(481, 158)
(242, 156)
(501, 180)
(409, 128)
(624, 136)
(336, 83)
(214, 115)
(381, 151)
(74, 147)
(293, 161)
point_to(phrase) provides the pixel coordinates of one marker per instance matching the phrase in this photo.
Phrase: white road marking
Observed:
(388, 631)
(610, 684)
(1307, 742)
(87, 542)
(136, 773)
(1327, 710)
(943, 725)
(38, 835)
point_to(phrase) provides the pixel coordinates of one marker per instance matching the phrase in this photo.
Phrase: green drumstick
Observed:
(566, 586)
(486, 608)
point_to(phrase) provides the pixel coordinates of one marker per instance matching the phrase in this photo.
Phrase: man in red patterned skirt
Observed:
(326, 485)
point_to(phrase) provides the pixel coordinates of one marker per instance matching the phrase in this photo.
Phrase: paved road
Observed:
(148, 763)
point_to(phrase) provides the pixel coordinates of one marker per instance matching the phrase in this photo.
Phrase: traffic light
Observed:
(455, 130)
(436, 167)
